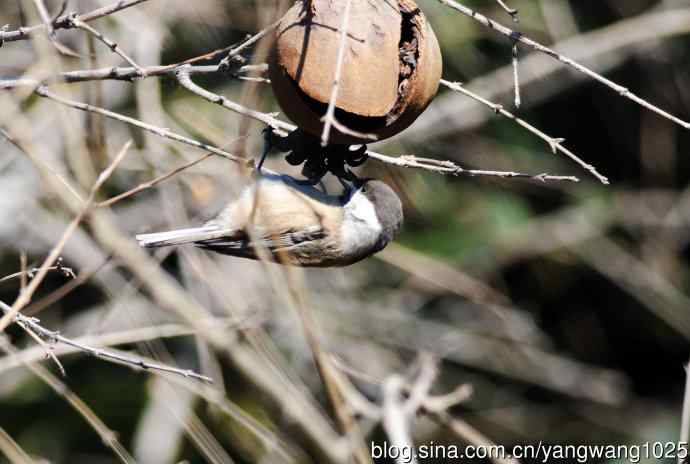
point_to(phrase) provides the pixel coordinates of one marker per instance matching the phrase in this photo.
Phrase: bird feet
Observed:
(306, 149)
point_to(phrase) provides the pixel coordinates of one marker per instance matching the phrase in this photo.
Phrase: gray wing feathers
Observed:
(178, 237)
(219, 239)
(230, 244)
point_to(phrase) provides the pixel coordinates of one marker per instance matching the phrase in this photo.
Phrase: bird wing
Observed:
(180, 236)
(281, 219)
(240, 243)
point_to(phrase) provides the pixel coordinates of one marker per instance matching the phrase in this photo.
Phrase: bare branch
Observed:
(12, 450)
(50, 30)
(25, 296)
(31, 272)
(120, 74)
(518, 37)
(151, 183)
(516, 76)
(182, 74)
(43, 165)
(448, 167)
(63, 22)
(468, 434)
(79, 24)
(443, 167)
(107, 436)
(511, 11)
(161, 132)
(54, 336)
(556, 144)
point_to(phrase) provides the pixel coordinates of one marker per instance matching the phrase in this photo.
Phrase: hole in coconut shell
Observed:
(409, 57)
(408, 47)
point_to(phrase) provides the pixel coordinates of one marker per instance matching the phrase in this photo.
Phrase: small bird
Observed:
(297, 224)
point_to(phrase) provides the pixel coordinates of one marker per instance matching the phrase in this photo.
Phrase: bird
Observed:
(296, 223)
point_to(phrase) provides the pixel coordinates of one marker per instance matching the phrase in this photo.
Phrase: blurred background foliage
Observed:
(565, 306)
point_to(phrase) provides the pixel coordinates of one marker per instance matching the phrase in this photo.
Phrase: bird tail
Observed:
(180, 236)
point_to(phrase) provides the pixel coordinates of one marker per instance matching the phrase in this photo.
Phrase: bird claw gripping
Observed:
(305, 149)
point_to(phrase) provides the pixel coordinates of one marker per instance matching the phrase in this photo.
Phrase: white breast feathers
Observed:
(361, 228)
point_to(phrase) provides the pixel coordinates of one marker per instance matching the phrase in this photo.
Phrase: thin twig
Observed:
(182, 74)
(513, 12)
(31, 272)
(233, 51)
(516, 76)
(518, 37)
(161, 132)
(125, 336)
(25, 296)
(61, 389)
(132, 73)
(60, 12)
(22, 271)
(397, 413)
(120, 74)
(444, 167)
(45, 18)
(12, 450)
(79, 24)
(556, 144)
(329, 118)
(43, 165)
(326, 370)
(47, 348)
(50, 30)
(63, 290)
(469, 434)
(150, 183)
(63, 22)
(99, 353)
(449, 167)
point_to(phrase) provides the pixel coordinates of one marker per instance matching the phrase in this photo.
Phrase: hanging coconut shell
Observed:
(390, 73)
